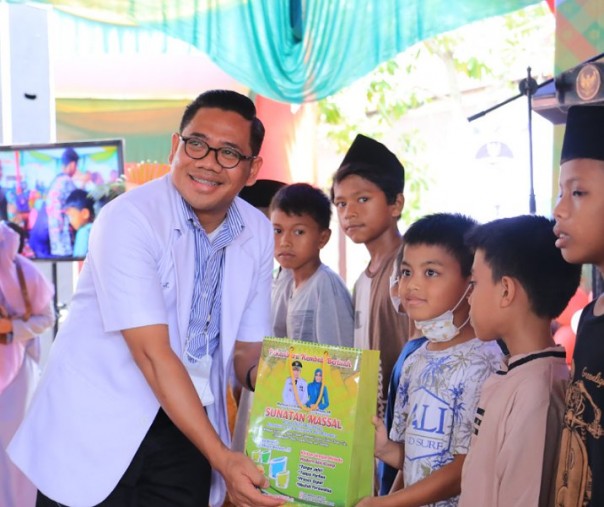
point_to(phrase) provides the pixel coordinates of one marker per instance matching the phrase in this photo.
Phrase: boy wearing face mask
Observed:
(440, 382)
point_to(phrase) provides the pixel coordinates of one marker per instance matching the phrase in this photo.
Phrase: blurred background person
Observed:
(59, 190)
(26, 311)
(3, 201)
(79, 208)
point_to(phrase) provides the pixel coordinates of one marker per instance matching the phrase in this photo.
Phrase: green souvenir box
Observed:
(310, 425)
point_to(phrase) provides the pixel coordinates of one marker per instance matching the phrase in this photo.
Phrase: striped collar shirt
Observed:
(204, 322)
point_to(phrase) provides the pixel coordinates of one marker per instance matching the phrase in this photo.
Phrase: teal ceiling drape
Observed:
(292, 50)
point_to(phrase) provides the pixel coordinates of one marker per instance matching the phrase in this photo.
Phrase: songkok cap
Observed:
(367, 151)
(296, 364)
(583, 135)
(261, 193)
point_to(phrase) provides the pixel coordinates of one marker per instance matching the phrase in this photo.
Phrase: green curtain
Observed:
(293, 50)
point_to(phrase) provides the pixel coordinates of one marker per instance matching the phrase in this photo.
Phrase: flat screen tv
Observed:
(54, 192)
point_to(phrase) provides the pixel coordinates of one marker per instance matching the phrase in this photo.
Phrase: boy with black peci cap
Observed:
(579, 227)
(367, 192)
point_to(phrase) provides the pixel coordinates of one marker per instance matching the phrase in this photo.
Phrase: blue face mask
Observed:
(442, 329)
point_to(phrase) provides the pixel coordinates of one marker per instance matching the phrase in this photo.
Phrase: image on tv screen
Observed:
(54, 192)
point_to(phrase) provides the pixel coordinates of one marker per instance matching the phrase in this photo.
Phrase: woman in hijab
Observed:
(314, 391)
(25, 312)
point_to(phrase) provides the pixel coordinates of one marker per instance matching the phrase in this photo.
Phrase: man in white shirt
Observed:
(131, 409)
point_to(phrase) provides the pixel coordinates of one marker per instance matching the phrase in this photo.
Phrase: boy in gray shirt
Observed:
(310, 301)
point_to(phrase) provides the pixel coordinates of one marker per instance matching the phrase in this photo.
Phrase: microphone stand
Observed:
(527, 86)
(511, 99)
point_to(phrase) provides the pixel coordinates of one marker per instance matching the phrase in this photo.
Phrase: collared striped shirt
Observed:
(204, 322)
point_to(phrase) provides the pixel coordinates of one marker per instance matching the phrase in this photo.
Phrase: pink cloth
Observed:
(39, 290)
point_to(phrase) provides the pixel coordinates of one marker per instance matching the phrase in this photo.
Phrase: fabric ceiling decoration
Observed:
(293, 50)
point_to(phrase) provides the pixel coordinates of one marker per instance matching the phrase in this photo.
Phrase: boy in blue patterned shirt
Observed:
(440, 382)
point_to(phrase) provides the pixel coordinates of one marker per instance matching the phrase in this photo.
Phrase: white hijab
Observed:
(40, 294)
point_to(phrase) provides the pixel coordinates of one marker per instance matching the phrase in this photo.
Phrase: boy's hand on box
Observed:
(243, 479)
(381, 436)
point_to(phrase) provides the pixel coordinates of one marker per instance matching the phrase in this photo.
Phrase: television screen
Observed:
(54, 191)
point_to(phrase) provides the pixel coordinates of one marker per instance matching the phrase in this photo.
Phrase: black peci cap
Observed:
(261, 193)
(367, 151)
(583, 134)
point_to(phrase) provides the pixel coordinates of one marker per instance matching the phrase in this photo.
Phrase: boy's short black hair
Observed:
(69, 155)
(372, 161)
(80, 199)
(228, 100)
(446, 230)
(303, 199)
(523, 248)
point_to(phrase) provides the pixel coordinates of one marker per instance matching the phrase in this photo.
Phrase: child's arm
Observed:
(441, 484)
(386, 450)
(398, 482)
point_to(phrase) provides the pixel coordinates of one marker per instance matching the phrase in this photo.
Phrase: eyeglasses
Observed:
(227, 158)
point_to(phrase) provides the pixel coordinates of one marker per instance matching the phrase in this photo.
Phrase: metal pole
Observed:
(56, 297)
(528, 87)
